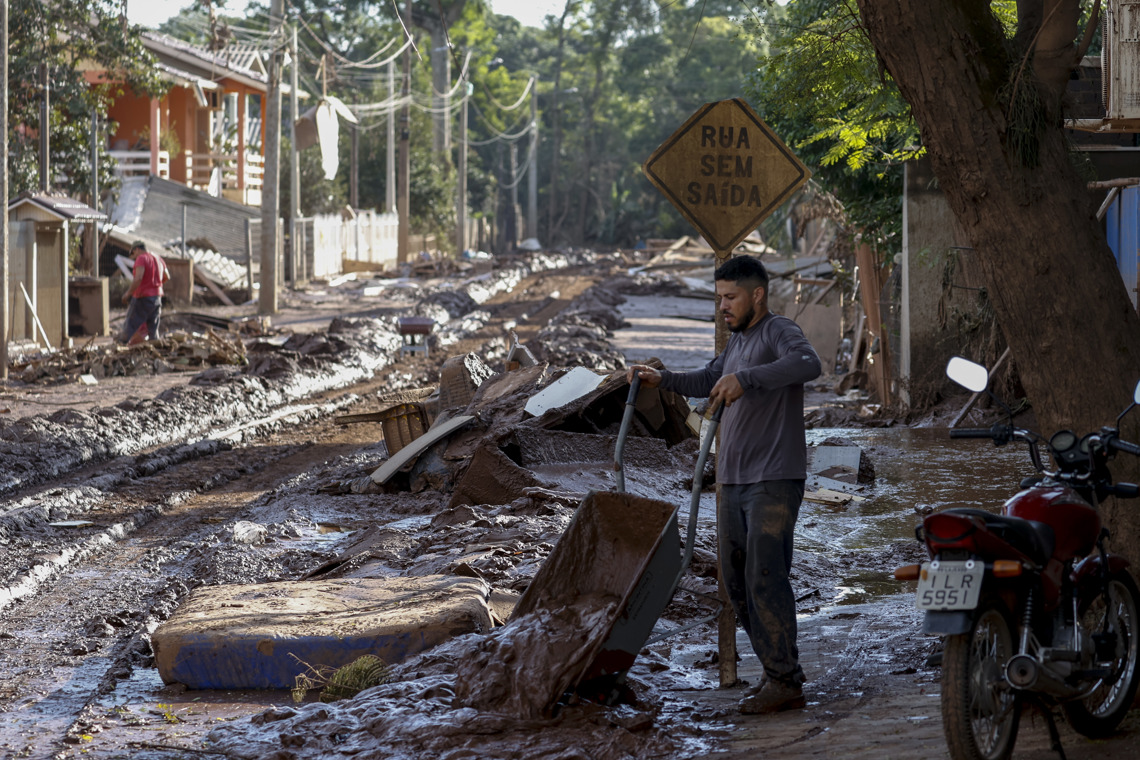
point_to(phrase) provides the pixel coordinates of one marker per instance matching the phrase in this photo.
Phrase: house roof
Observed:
(240, 63)
(59, 206)
(219, 220)
(188, 64)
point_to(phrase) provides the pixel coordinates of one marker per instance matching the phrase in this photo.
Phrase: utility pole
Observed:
(294, 166)
(45, 124)
(402, 201)
(532, 172)
(354, 168)
(461, 206)
(93, 240)
(514, 239)
(270, 191)
(390, 168)
(4, 310)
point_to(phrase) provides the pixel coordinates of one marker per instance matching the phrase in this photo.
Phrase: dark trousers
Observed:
(146, 310)
(755, 525)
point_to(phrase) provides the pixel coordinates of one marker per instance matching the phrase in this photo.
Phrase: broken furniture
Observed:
(262, 636)
(414, 331)
(459, 378)
(404, 418)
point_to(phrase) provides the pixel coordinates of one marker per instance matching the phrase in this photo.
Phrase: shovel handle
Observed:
(627, 417)
(634, 387)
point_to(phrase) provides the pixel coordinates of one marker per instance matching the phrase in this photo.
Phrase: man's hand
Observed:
(727, 390)
(649, 377)
(126, 298)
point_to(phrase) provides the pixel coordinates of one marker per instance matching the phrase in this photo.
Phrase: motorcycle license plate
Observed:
(949, 585)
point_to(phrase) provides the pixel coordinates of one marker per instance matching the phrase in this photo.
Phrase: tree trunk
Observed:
(1008, 176)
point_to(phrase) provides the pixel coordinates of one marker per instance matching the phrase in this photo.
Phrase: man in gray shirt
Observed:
(761, 467)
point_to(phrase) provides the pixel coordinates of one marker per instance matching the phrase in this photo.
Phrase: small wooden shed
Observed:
(42, 226)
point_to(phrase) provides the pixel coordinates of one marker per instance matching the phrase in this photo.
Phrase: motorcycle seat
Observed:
(1034, 539)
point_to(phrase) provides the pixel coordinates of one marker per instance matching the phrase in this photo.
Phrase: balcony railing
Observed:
(209, 172)
(136, 163)
(201, 168)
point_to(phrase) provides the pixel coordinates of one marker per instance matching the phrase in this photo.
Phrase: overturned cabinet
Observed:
(44, 229)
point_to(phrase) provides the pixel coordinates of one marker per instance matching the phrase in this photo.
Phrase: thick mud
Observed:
(112, 517)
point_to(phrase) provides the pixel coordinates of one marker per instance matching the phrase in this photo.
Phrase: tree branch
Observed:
(1090, 32)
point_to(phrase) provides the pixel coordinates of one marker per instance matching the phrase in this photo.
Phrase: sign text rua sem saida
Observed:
(725, 171)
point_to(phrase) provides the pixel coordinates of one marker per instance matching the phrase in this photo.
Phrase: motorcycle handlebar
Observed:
(1126, 490)
(1128, 448)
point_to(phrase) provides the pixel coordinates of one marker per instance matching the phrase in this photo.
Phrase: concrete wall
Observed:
(944, 310)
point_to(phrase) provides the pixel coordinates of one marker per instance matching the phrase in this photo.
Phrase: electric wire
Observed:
(519, 102)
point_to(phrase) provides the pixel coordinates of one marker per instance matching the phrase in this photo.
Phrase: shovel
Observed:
(694, 502)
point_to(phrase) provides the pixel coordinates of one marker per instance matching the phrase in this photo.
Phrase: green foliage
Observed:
(341, 683)
(822, 90)
(68, 36)
(614, 80)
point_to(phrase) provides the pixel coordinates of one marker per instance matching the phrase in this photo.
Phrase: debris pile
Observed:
(175, 351)
(579, 335)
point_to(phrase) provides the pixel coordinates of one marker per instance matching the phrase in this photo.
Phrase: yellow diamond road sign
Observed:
(725, 171)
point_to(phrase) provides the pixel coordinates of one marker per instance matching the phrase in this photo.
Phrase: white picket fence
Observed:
(370, 237)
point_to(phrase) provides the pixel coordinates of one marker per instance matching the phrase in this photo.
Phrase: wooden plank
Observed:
(201, 277)
(407, 454)
(35, 317)
(830, 498)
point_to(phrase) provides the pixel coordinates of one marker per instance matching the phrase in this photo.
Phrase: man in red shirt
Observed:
(145, 295)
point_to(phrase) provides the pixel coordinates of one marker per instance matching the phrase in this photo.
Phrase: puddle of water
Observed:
(916, 470)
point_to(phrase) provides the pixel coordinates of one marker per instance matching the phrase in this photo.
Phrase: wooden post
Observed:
(403, 188)
(726, 622)
(45, 133)
(461, 242)
(249, 255)
(271, 186)
(532, 165)
(5, 320)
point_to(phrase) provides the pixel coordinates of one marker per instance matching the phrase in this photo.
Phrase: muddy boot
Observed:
(773, 697)
(754, 690)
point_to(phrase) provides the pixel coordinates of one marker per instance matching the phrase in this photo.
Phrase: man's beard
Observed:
(745, 320)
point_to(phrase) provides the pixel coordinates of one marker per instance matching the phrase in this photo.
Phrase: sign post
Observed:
(726, 172)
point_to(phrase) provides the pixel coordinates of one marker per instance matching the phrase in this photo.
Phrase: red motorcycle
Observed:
(1030, 604)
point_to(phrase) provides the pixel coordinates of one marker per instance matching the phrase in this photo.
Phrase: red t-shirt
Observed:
(153, 269)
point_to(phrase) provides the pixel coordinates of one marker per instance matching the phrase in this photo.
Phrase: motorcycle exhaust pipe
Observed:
(1026, 673)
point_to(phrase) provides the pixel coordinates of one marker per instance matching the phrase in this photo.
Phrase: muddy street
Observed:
(120, 503)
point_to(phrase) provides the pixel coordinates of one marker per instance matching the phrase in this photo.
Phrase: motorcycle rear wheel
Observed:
(1098, 714)
(980, 712)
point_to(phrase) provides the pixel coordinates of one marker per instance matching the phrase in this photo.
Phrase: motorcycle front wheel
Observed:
(1112, 620)
(980, 712)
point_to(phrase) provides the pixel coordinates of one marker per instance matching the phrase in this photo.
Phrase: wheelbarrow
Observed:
(622, 547)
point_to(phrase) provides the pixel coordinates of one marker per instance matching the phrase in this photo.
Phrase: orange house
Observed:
(209, 124)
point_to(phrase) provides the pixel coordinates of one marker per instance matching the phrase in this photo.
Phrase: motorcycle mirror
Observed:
(971, 376)
(1135, 401)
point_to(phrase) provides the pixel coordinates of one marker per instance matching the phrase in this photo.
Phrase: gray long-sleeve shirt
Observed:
(762, 434)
